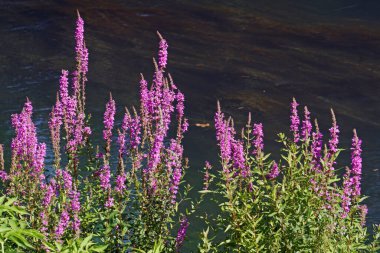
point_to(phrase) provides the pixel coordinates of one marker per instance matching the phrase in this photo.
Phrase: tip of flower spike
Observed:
(155, 64)
(316, 125)
(355, 133)
(159, 35)
(218, 105)
(127, 111)
(249, 120)
(333, 116)
(78, 14)
(134, 111)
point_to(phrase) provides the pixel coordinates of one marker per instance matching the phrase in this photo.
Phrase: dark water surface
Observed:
(251, 55)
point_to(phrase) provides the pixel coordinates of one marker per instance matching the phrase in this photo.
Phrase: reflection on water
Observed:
(252, 55)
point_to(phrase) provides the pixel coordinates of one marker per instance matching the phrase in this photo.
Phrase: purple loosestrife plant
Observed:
(308, 207)
(87, 195)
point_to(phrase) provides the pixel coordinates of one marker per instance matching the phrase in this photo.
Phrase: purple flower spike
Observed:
(109, 203)
(306, 125)
(316, 148)
(239, 158)
(48, 195)
(180, 104)
(64, 88)
(163, 53)
(363, 214)
(334, 136)
(109, 118)
(3, 174)
(120, 183)
(104, 177)
(356, 165)
(181, 233)
(174, 162)
(274, 172)
(258, 140)
(75, 202)
(206, 178)
(294, 121)
(347, 192)
(80, 48)
(62, 225)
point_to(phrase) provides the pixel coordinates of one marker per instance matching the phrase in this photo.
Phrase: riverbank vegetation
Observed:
(126, 197)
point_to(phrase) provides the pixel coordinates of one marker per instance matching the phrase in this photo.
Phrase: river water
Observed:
(251, 55)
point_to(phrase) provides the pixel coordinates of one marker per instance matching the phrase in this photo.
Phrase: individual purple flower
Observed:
(258, 139)
(162, 53)
(4, 176)
(274, 172)
(87, 131)
(99, 155)
(356, 164)
(294, 121)
(185, 125)
(306, 125)
(63, 223)
(181, 234)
